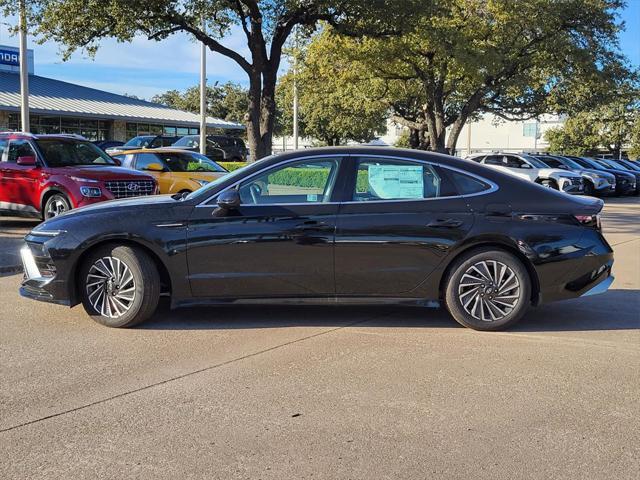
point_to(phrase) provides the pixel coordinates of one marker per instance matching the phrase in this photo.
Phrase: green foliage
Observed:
(301, 177)
(403, 140)
(608, 128)
(228, 101)
(231, 166)
(463, 58)
(334, 107)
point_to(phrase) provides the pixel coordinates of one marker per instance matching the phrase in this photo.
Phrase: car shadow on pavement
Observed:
(615, 310)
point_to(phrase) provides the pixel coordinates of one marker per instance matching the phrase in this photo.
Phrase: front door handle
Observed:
(445, 223)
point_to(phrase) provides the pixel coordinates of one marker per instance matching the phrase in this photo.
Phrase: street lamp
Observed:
(24, 72)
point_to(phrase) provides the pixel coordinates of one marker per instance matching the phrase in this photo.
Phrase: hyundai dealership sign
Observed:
(10, 59)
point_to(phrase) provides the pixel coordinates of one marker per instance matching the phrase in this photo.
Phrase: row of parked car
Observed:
(570, 174)
(219, 148)
(46, 175)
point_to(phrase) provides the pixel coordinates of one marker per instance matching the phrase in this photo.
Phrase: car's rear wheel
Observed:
(488, 289)
(120, 285)
(589, 188)
(55, 205)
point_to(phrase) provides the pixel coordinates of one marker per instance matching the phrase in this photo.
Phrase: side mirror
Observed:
(27, 161)
(525, 165)
(229, 200)
(154, 167)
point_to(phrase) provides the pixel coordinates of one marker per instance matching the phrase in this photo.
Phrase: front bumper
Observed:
(37, 286)
(572, 185)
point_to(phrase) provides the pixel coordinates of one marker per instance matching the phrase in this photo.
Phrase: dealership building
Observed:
(62, 107)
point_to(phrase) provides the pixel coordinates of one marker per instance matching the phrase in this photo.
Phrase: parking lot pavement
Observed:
(12, 231)
(284, 392)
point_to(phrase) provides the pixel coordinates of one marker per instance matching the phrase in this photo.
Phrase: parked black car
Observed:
(334, 225)
(610, 163)
(625, 181)
(219, 147)
(596, 182)
(143, 141)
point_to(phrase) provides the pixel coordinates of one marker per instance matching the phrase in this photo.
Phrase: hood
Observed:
(601, 173)
(102, 173)
(558, 172)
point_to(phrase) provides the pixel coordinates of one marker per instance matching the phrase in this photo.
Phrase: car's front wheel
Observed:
(55, 205)
(488, 289)
(120, 285)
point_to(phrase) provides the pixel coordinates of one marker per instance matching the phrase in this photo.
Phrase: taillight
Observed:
(592, 221)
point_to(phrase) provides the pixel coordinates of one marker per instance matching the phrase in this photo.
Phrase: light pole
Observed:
(295, 88)
(24, 72)
(203, 93)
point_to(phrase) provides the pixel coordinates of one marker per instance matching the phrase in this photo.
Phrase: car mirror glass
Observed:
(154, 167)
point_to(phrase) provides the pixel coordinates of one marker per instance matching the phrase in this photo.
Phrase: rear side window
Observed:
(3, 146)
(143, 160)
(466, 185)
(494, 160)
(390, 179)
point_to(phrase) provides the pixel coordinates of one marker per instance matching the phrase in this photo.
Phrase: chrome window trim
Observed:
(493, 187)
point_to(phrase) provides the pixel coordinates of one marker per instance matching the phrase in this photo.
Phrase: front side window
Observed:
(60, 152)
(387, 179)
(494, 160)
(515, 162)
(306, 181)
(19, 148)
(189, 142)
(3, 146)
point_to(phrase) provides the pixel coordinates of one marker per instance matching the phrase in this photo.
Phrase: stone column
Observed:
(119, 131)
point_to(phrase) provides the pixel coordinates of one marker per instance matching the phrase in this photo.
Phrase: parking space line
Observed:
(195, 372)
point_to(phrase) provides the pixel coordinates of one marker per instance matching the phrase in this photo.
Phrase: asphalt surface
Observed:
(12, 231)
(331, 392)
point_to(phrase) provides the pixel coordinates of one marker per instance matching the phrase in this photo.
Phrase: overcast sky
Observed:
(145, 68)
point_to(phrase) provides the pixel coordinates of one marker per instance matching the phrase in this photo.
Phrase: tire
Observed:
(132, 302)
(550, 183)
(484, 264)
(55, 205)
(589, 188)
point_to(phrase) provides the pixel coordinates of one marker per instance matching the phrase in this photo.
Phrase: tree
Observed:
(266, 25)
(228, 101)
(512, 58)
(334, 107)
(609, 127)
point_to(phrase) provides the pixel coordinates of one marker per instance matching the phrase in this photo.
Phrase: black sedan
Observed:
(626, 182)
(335, 225)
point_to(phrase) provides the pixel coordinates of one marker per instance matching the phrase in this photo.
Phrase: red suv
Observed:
(45, 175)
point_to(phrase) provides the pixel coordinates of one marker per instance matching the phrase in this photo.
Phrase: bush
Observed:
(231, 166)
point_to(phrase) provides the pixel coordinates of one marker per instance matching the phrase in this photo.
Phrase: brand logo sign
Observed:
(9, 57)
(133, 187)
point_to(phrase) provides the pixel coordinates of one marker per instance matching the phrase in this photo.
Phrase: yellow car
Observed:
(177, 171)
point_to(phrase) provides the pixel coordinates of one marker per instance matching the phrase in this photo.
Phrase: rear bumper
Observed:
(601, 287)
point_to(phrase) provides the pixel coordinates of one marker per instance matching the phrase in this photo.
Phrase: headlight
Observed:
(202, 183)
(91, 192)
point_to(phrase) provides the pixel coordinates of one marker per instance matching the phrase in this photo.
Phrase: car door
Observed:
(520, 167)
(278, 243)
(20, 183)
(396, 225)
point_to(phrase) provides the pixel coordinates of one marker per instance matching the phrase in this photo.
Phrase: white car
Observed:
(530, 168)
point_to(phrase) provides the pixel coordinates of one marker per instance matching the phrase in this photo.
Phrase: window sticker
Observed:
(312, 197)
(396, 181)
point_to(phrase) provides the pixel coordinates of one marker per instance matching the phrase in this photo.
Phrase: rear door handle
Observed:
(445, 223)
(310, 225)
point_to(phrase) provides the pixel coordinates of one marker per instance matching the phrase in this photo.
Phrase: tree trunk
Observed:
(261, 116)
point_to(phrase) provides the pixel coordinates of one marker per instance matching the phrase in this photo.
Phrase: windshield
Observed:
(615, 164)
(190, 141)
(591, 163)
(141, 142)
(185, 162)
(535, 162)
(60, 152)
(570, 163)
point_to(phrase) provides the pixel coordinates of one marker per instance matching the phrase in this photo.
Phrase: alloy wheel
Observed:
(489, 290)
(55, 208)
(110, 287)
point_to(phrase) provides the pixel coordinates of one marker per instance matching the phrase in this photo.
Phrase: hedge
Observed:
(308, 177)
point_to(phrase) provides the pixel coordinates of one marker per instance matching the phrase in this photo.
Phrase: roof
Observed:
(49, 96)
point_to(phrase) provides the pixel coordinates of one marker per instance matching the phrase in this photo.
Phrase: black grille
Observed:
(576, 181)
(130, 188)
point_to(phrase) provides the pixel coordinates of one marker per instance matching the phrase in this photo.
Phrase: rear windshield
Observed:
(141, 142)
(59, 152)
